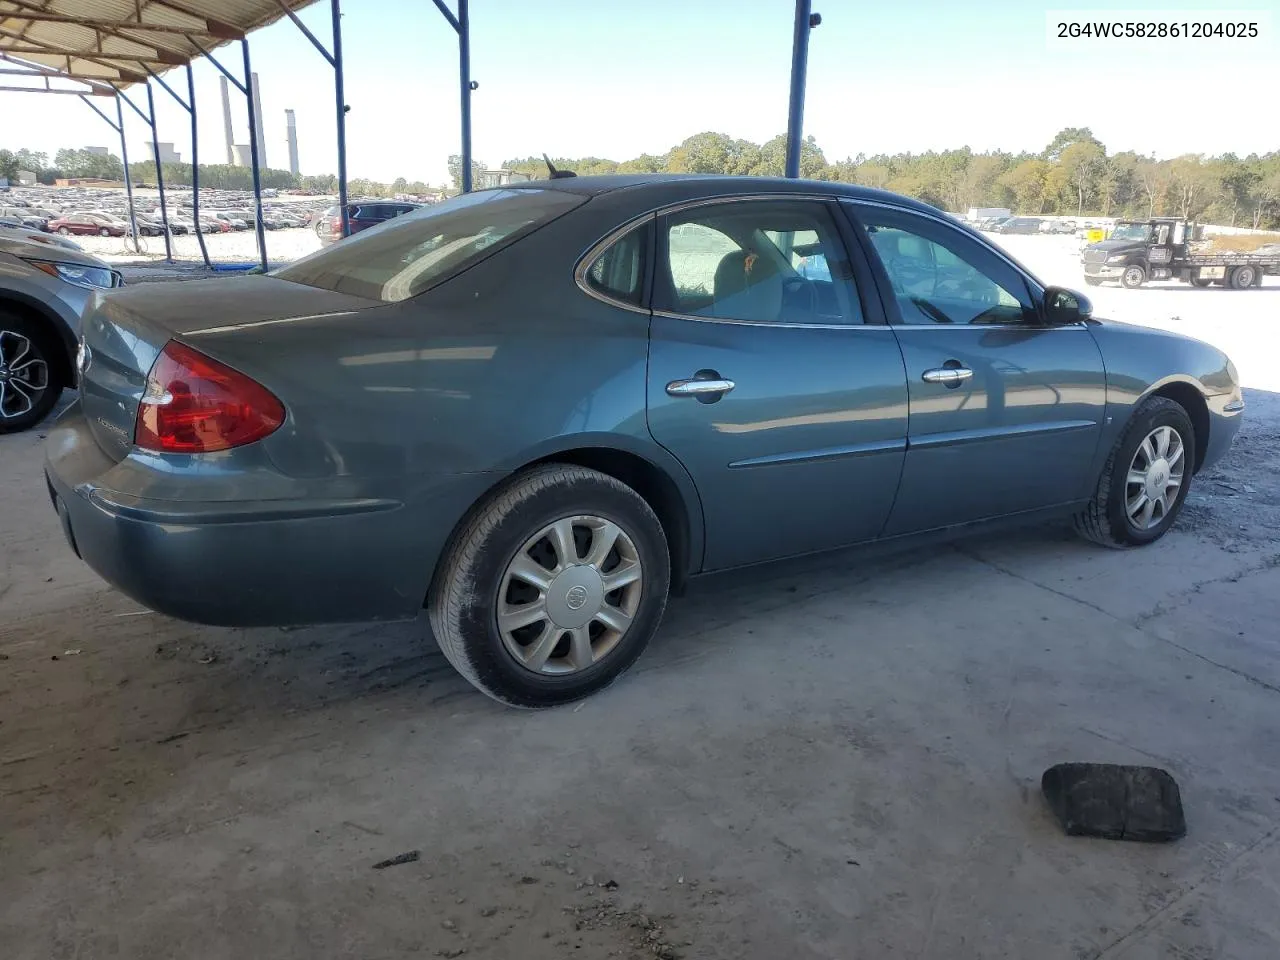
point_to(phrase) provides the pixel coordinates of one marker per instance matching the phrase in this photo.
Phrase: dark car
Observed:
(88, 224)
(1019, 225)
(360, 216)
(535, 410)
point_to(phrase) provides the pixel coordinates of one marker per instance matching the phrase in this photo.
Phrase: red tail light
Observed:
(194, 404)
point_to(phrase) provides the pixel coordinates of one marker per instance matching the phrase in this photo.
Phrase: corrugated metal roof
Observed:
(116, 41)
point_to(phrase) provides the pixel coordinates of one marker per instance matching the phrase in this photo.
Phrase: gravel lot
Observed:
(836, 758)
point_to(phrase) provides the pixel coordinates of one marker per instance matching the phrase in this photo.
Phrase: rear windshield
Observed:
(410, 254)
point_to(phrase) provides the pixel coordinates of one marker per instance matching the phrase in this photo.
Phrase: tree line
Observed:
(1074, 174)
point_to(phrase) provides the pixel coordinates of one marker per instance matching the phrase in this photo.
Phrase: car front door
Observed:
(771, 379)
(1005, 411)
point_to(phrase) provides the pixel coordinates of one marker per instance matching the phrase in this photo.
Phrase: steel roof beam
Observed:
(212, 28)
(92, 92)
(163, 57)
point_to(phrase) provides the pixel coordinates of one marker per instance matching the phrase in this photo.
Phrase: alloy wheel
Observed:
(1154, 478)
(24, 375)
(569, 595)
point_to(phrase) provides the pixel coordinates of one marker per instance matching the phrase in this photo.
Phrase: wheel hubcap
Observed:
(24, 375)
(569, 595)
(1154, 478)
(1133, 275)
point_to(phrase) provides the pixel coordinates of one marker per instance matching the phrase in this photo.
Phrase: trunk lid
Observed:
(125, 330)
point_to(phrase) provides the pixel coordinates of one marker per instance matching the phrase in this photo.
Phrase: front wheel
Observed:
(64, 231)
(1134, 276)
(1201, 281)
(29, 384)
(552, 588)
(1093, 281)
(1145, 480)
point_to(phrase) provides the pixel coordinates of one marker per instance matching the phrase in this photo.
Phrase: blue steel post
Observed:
(464, 78)
(253, 151)
(155, 151)
(128, 180)
(340, 95)
(805, 21)
(195, 167)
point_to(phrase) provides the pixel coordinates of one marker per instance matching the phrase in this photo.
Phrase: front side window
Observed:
(415, 252)
(940, 275)
(763, 261)
(618, 272)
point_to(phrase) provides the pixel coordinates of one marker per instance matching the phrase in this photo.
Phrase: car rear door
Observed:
(1005, 411)
(773, 379)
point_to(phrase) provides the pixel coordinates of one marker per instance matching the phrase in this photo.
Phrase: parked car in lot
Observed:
(44, 288)
(88, 224)
(27, 235)
(1019, 225)
(361, 216)
(536, 410)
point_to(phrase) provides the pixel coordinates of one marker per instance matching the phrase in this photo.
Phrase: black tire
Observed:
(1242, 278)
(1104, 520)
(1201, 281)
(104, 232)
(1134, 276)
(44, 346)
(463, 599)
(64, 231)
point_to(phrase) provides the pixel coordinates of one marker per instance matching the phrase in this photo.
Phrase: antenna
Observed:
(554, 173)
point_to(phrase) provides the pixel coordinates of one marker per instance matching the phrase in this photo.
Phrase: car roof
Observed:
(715, 184)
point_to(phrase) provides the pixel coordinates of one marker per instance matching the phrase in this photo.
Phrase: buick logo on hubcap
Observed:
(576, 598)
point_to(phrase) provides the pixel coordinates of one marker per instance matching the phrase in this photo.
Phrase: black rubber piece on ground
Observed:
(1115, 802)
(411, 857)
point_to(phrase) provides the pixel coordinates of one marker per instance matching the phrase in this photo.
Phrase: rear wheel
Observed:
(104, 232)
(29, 384)
(1242, 278)
(1134, 276)
(552, 588)
(1145, 480)
(1200, 281)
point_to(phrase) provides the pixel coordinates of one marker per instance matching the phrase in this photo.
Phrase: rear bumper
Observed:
(247, 563)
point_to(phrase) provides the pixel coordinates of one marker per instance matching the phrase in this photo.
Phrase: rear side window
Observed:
(618, 273)
(415, 252)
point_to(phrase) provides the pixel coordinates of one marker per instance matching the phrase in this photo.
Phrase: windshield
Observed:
(410, 254)
(1131, 231)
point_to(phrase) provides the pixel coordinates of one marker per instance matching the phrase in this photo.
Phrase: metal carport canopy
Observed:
(117, 41)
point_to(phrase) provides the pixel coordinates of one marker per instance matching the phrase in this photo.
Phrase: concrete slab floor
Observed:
(837, 758)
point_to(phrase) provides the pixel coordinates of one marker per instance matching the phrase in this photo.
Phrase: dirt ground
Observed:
(834, 758)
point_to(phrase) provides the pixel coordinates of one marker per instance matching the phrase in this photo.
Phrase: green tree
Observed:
(455, 171)
(1083, 162)
(1065, 138)
(8, 165)
(1027, 183)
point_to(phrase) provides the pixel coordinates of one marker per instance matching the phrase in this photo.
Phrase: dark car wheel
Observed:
(29, 384)
(1145, 480)
(1242, 278)
(552, 587)
(104, 232)
(64, 231)
(1134, 276)
(1201, 281)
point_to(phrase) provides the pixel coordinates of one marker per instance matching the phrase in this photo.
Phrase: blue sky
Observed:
(600, 77)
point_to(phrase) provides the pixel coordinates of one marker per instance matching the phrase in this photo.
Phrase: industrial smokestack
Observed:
(226, 122)
(291, 131)
(257, 115)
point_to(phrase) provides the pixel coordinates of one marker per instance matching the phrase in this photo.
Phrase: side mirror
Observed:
(1063, 306)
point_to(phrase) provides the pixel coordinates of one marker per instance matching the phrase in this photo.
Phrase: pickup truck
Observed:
(1168, 248)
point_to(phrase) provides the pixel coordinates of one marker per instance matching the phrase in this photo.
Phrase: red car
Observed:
(87, 224)
(360, 216)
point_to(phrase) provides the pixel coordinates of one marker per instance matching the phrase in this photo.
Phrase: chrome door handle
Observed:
(950, 376)
(695, 388)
